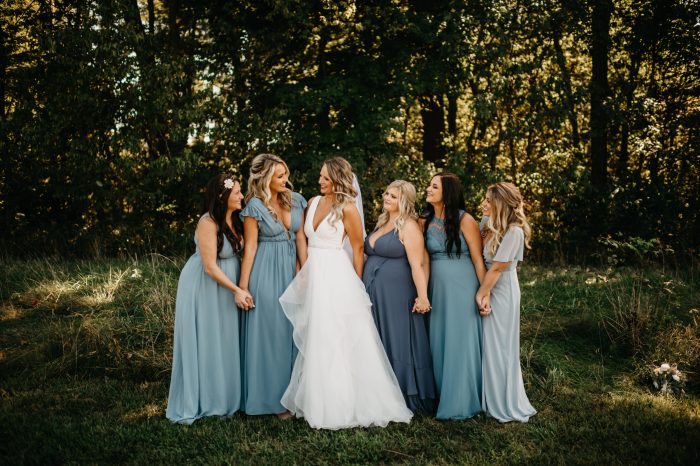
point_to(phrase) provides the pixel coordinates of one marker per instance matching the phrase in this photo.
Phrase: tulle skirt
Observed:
(341, 377)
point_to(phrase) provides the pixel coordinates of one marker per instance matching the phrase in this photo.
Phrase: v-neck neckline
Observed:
(318, 201)
(373, 246)
(281, 222)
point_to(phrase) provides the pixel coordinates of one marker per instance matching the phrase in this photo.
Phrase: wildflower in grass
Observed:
(136, 273)
(668, 379)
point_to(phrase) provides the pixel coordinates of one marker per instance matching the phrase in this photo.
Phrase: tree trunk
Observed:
(452, 114)
(4, 63)
(433, 117)
(566, 79)
(324, 123)
(151, 17)
(631, 84)
(602, 10)
(155, 141)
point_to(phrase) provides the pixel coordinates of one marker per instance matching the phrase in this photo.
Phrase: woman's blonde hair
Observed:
(407, 206)
(340, 174)
(261, 173)
(506, 210)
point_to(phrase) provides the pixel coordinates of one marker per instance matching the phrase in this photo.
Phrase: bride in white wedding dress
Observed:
(341, 377)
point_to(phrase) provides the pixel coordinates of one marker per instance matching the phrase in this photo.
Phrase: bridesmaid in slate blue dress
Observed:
(275, 245)
(206, 375)
(395, 279)
(507, 233)
(453, 242)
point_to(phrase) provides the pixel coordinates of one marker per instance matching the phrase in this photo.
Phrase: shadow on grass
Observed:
(103, 420)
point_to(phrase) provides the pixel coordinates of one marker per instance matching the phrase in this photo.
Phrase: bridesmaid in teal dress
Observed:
(506, 232)
(275, 246)
(453, 243)
(206, 375)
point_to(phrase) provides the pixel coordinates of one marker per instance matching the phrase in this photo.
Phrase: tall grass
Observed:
(101, 317)
(85, 354)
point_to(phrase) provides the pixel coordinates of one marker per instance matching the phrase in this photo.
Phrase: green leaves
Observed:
(151, 103)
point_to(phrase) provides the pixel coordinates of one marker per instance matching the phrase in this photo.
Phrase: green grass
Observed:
(85, 352)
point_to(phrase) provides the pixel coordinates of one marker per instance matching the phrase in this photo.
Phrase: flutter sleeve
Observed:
(511, 247)
(298, 201)
(255, 209)
(482, 223)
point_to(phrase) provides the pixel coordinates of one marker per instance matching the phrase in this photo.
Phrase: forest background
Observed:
(115, 113)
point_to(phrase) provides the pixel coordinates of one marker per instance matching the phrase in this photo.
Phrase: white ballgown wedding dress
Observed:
(341, 377)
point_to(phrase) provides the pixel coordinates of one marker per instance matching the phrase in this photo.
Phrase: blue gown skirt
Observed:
(206, 373)
(455, 336)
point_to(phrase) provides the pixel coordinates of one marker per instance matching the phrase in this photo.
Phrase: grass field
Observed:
(85, 353)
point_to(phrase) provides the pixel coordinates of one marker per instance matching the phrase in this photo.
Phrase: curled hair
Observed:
(261, 172)
(407, 206)
(506, 210)
(215, 204)
(340, 174)
(453, 201)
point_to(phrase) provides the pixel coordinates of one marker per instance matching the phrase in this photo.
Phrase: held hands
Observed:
(244, 300)
(483, 301)
(421, 305)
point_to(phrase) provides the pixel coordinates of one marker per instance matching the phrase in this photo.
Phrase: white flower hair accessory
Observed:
(228, 183)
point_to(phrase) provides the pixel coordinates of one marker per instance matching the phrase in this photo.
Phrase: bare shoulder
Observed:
(206, 222)
(412, 230)
(350, 209)
(467, 220)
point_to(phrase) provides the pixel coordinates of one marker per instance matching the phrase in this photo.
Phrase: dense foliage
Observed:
(115, 113)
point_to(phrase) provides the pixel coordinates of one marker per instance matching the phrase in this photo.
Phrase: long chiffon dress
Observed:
(267, 348)
(455, 325)
(504, 393)
(206, 374)
(389, 283)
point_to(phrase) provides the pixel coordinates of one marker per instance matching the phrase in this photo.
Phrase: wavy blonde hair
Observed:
(261, 173)
(506, 210)
(407, 206)
(340, 173)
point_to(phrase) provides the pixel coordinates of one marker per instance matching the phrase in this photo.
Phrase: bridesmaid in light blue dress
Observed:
(206, 374)
(506, 232)
(274, 246)
(453, 243)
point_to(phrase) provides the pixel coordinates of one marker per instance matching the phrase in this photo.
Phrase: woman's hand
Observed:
(483, 301)
(244, 300)
(421, 305)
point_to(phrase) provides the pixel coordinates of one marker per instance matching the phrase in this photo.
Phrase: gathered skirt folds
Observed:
(455, 336)
(341, 377)
(504, 392)
(206, 372)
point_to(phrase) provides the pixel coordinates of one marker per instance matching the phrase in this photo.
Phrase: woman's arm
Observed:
(470, 230)
(206, 237)
(426, 256)
(250, 248)
(302, 247)
(483, 296)
(415, 250)
(353, 228)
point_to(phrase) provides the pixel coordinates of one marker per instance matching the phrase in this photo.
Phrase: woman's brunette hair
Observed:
(453, 200)
(216, 197)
